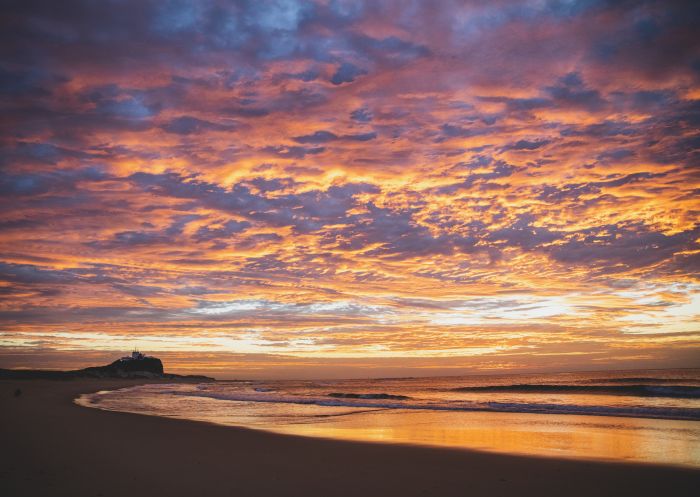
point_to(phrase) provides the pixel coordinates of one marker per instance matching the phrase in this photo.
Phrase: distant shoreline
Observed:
(42, 374)
(136, 365)
(18, 373)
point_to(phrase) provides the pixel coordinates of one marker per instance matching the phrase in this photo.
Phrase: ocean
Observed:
(644, 416)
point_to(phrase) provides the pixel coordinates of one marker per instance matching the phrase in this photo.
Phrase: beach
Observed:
(51, 446)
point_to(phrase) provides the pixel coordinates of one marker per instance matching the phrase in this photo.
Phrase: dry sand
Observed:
(52, 448)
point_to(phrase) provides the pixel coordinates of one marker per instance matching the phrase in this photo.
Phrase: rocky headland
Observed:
(135, 366)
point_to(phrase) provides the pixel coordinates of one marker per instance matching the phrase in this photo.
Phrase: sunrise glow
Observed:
(338, 189)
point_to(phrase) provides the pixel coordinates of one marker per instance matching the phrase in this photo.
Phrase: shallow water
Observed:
(645, 416)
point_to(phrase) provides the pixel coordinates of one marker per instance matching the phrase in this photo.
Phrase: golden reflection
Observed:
(571, 436)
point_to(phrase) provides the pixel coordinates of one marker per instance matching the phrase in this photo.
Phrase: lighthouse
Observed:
(135, 356)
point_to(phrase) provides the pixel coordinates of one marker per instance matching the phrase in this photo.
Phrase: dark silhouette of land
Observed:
(137, 365)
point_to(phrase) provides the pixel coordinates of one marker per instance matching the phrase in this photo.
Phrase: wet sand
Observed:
(51, 447)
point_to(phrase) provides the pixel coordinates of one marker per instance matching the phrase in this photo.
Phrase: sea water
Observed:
(646, 416)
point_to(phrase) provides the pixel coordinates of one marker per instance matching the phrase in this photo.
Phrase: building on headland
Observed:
(135, 356)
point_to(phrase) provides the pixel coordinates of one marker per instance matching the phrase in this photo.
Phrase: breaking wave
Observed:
(369, 396)
(672, 391)
(401, 402)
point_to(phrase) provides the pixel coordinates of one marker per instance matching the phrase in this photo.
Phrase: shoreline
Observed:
(53, 446)
(561, 436)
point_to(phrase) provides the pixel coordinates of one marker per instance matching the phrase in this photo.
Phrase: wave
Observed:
(368, 396)
(679, 413)
(673, 391)
(637, 379)
(289, 399)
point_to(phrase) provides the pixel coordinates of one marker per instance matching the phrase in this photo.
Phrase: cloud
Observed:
(31, 184)
(226, 230)
(306, 211)
(125, 239)
(293, 152)
(356, 169)
(627, 247)
(31, 274)
(553, 193)
(526, 145)
(317, 137)
(187, 125)
(326, 137)
(523, 234)
(393, 49)
(571, 91)
(347, 73)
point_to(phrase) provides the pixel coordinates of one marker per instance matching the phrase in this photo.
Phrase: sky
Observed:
(287, 188)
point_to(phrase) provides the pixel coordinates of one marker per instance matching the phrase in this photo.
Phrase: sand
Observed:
(51, 447)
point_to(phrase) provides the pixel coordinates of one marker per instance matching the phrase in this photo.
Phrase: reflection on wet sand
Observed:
(537, 434)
